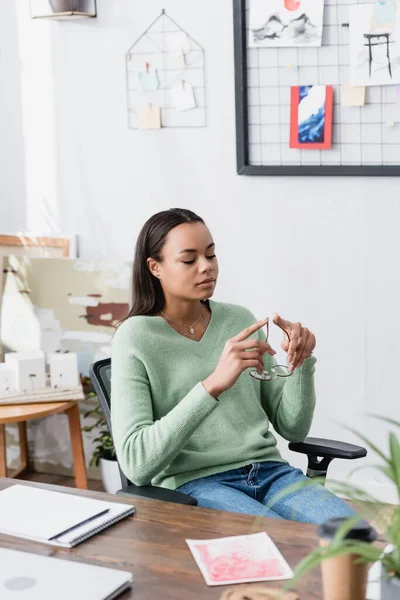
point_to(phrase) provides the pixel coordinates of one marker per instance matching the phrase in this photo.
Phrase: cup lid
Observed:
(360, 531)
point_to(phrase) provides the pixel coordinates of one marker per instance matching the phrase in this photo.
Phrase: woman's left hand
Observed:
(300, 344)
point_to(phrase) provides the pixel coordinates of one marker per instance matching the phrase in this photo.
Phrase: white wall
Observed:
(320, 250)
(12, 167)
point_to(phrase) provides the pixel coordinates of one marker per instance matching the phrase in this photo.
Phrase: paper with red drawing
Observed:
(239, 559)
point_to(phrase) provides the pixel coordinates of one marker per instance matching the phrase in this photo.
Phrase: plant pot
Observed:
(110, 475)
(60, 6)
(390, 588)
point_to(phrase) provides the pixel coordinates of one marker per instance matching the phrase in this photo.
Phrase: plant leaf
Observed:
(368, 442)
(344, 529)
(395, 462)
(304, 566)
(387, 419)
(352, 491)
(294, 487)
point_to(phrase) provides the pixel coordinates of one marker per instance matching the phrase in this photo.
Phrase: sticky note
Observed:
(353, 96)
(149, 117)
(384, 15)
(183, 96)
(148, 80)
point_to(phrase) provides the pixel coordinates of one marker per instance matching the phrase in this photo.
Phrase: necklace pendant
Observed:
(192, 331)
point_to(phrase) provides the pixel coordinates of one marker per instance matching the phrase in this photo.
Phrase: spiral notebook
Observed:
(56, 518)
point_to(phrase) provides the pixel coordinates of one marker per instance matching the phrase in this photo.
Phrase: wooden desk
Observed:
(152, 545)
(21, 413)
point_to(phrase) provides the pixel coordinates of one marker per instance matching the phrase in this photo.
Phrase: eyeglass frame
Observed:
(266, 375)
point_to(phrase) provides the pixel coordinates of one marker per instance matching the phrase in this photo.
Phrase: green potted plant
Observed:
(104, 455)
(388, 521)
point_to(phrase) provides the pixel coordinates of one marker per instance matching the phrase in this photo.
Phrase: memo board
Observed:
(366, 140)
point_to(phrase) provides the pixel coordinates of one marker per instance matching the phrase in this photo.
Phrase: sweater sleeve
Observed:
(145, 447)
(289, 402)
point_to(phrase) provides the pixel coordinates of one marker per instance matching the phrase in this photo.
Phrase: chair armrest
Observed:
(157, 493)
(328, 448)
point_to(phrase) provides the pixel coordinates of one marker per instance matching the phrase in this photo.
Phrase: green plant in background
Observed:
(386, 519)
(104, 447)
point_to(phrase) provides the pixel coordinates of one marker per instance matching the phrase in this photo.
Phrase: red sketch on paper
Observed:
(239, 559)
(311, 117)
(238, 564)
(292, 4)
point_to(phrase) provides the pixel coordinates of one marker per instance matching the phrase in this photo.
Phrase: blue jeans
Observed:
(250, 489)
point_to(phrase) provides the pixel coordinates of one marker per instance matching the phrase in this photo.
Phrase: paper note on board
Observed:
(384, 15)
(353, 95)
(183, 96)
(148, 79)
(149, 117)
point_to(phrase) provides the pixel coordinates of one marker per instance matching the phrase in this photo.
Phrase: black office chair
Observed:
(320, 452)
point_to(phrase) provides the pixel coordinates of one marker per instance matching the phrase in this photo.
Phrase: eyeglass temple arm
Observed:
(283, 329)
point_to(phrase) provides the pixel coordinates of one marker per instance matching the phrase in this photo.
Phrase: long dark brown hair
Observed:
(147, 294)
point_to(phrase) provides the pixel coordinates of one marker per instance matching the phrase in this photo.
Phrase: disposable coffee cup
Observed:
(342, 577)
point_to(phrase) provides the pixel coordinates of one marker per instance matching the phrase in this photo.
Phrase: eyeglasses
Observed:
(276, 370)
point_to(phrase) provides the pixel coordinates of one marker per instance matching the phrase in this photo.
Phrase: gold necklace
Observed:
(190, 327)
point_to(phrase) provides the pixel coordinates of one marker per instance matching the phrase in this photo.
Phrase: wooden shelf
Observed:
(66, 15)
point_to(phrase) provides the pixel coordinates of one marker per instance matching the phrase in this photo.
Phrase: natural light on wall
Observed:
(38, 118)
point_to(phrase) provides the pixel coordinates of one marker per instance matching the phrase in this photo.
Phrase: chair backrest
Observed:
(100, 374)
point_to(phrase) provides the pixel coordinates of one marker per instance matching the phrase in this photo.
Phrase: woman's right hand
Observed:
(238, 355)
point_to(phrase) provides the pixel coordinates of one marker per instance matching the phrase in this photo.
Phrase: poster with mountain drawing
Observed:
(283, 23)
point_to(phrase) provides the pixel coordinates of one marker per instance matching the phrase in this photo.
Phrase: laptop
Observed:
(26, 576)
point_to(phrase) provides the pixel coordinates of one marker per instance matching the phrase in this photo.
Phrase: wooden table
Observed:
(152, 545)
(21, 413)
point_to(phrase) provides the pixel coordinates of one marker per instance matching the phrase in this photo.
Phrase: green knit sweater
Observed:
(168, 430)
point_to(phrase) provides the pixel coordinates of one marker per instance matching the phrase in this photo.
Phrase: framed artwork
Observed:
(293, 117)
(55, 247)
(53, 304)
(311, 117)
(33, 246)
(70, 305)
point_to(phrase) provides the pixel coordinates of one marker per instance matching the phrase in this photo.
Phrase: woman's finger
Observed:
(246, 364)
(243, 335)
(300, 355)
(250, 344)
(250, 354)
(286, 327)
(308, 348)
(282, 323)
(285, 344)
(294, 341)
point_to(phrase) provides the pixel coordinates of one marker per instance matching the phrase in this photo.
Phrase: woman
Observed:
(186, 415)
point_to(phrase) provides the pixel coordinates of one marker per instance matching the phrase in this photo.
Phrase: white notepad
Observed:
(54, 517)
